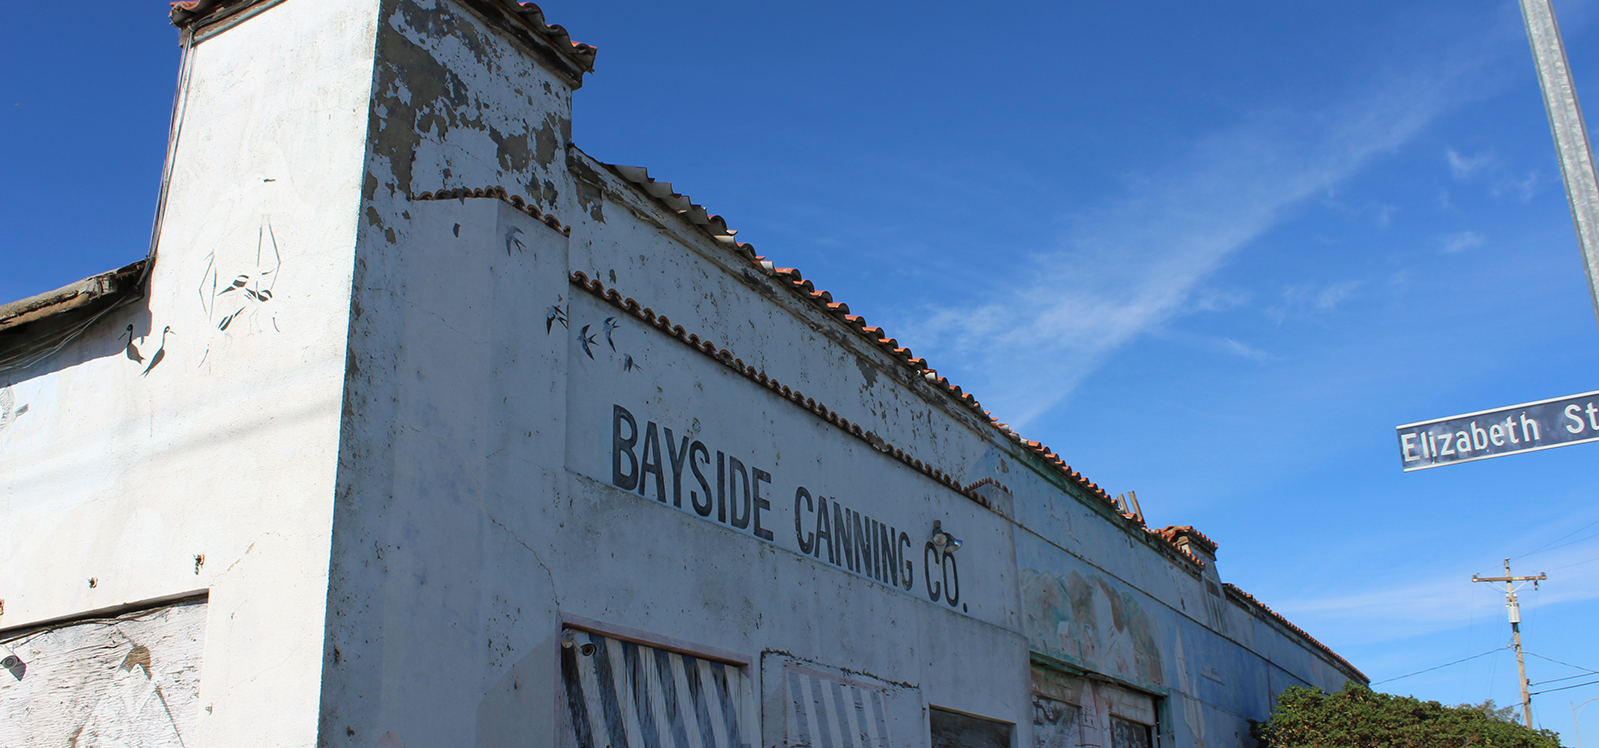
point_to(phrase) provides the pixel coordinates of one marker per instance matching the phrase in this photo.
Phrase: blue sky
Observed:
(1213, 254)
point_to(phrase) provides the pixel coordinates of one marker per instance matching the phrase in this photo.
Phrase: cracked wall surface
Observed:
(483, 500)
(186, 443)
(402, 435)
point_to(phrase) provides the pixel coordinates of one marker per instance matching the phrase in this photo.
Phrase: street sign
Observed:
(1495, 433)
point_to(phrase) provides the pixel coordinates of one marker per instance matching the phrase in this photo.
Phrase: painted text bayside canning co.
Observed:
(678, 469)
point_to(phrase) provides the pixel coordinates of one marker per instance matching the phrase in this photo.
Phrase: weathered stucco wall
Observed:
(521, 448)
(415, 437)
(201, 455)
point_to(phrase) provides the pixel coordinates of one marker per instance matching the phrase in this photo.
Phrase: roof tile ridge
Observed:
(1246, 597)
(532, 16)
(496, 192)
(717, 227)
(1172, 532)
(597, 288)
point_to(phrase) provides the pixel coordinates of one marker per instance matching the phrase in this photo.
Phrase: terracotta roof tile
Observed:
(1249, 600)
(498, 193)
(1171, 533)
(809, 404)
(717, 228)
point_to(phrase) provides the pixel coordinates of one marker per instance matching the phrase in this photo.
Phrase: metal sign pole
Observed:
(1571, 136)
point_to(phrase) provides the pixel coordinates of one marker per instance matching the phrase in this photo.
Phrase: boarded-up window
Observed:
(627, 695)
(1071, 711)
(1055, 723)
(808, 704)
(131, 680)
(951, 730)
(829, 713)
(1125, 733)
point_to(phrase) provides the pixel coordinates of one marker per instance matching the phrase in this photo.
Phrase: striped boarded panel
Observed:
(829, 714)
(132, 680)
(628, 695)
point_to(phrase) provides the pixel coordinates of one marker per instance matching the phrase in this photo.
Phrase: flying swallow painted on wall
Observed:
(629, 364)
(586, 339)
(553, 315)
(513, 239)
(235, 307)
(610, 326)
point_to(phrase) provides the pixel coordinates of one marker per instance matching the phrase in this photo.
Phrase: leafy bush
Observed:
(1358, 717)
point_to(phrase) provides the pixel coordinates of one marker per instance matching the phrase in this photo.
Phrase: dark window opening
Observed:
(1125, 733)
(951, 730)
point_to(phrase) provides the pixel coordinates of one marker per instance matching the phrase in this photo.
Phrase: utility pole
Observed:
(1515, 627)
(1571, 135)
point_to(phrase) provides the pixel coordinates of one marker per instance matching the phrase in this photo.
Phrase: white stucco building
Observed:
(422, 427)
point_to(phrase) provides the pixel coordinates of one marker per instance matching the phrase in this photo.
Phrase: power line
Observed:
(1557, 680)
(1571, 542)
(1562, 688)
(1567, 664)
(1447, 664)
(1546, 546)
(1579, 563)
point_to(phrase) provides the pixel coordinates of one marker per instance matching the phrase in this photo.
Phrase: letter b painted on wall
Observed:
(622, 449)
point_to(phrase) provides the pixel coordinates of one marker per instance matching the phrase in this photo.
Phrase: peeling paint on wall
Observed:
(431, 106)
(1085, 621)
(1070, 711)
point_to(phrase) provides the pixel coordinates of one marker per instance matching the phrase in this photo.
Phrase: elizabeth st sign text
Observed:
(1494, 433)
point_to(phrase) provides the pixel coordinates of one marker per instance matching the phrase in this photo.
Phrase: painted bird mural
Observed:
(160, 353)
(586, 339)
(553, 315)
(610, 326)
(132, 351)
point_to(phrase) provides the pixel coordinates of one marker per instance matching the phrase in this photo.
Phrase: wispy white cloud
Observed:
(1462, 241)
(1502, 183)
(1305, 299)
(1444, 602)
(1219, 300)
(1245, 350)
(1330, 296)
(1385, 215)
(1135, 261)
(1462, 168)
(1520, 188)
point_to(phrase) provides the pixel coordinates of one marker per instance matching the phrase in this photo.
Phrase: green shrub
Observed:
(1358, 717)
